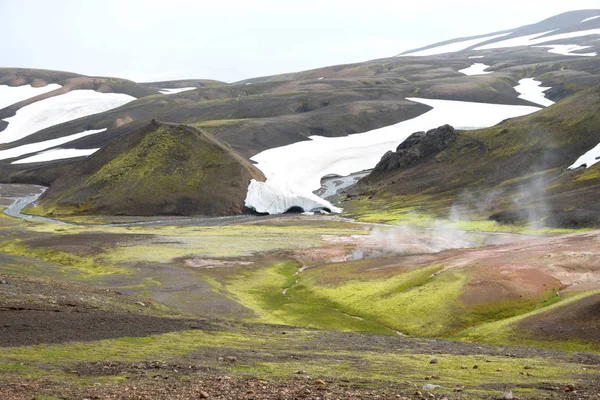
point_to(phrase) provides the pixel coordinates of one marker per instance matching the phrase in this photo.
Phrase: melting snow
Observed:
(452, 47)
(590, 158)
(10, 95)
(476, 69)
(568, 49)
(476, 57)
(320, 78)
(46, 144)
(56, 154)
(58, 109)
(590, 18)
(534, 39)
(176, 90)
(293, 172)
(531, 90)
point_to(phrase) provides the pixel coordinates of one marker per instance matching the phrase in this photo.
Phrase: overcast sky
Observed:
(231, 40)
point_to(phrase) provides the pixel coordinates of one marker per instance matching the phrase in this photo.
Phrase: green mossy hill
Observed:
(514, 172)
(159, 169)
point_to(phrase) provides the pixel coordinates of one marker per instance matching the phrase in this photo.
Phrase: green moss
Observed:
(415, 302)
(263, 292)
(45, 398)
(87, 267)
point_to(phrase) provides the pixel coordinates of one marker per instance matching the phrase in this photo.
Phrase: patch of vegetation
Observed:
(415, 302)
(86, 267)
(263, 292)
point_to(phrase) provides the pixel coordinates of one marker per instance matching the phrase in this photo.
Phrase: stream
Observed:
(22, 195)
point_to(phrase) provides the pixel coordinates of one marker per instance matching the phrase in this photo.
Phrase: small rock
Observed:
(3, 282)
(476, 366)
(529, 374)
(319, 382)
(429, 386)
(569, 388)
(435, 377)
(231, 359)
(434, 361)
(139, 303)
(463, 367)
(507, 395)
(527, 367)
(300, 372)
(457, 389)
(499, 370)
(418, 394)
(250, 391)
(203, 394)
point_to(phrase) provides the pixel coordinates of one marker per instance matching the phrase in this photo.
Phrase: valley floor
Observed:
(295, 307)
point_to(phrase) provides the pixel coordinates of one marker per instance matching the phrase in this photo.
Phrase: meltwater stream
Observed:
(22, 195)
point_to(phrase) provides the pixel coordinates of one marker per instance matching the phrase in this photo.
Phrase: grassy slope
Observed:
(159, 169)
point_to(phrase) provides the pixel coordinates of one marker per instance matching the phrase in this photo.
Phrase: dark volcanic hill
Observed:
(262, 113)
(158, 169)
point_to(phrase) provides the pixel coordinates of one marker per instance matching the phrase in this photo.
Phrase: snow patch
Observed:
(294, 171)
(589, 158)
(590, 18)
(476, 69)
(58, 109)
(176, 90)
(568, 49)
(320, 78)
(46, 144)
(10, 95)
(534, 39)
(476, 57)
(531, 90)
(273, 198)
(452, 47)
(56, 154)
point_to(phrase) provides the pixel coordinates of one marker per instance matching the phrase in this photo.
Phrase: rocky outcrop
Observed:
(417, 146)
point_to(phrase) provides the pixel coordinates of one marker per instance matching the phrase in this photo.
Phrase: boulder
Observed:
(417, 146)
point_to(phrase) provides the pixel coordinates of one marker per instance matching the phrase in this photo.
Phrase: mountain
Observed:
(155, 170)
(530, 66)
(575, 27)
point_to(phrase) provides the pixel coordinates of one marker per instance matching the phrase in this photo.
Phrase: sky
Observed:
(232, 40)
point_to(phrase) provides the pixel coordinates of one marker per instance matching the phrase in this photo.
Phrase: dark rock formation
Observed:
(417, 146)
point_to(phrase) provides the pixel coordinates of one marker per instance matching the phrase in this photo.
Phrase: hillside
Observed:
(263, 113)
(158, 169)
(514, 172)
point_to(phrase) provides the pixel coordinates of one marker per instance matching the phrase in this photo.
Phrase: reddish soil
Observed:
(573, 260)
(497, 284)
